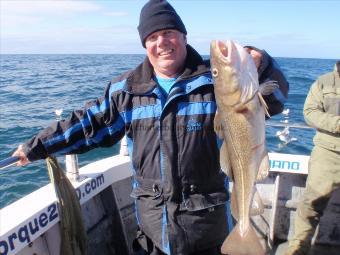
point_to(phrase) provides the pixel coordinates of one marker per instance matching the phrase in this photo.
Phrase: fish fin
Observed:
(224, 156)
(264, 104)
(246, 244)
(218, 125)
(233, 204)
(241, 108)
(264, 168)
(224, 161)
(257, 206)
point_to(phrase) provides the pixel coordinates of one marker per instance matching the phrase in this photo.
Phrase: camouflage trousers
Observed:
(323, 178)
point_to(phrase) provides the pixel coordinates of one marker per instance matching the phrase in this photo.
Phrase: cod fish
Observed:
(240, 122)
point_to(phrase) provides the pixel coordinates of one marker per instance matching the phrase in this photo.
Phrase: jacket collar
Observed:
(140, 79)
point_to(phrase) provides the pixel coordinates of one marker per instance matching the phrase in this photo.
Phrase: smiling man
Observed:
(167, 52)
(163, 34)
(187, 215)
(166, 108)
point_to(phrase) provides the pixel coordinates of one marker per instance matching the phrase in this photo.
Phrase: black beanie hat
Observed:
(158, 15)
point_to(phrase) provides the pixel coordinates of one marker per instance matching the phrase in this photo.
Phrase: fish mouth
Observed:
(223, 51)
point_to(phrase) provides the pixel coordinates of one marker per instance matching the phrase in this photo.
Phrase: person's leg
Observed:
(319, 186)
(143, 245)
(336, 169)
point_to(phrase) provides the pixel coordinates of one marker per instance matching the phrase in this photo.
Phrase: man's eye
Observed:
(152, 38)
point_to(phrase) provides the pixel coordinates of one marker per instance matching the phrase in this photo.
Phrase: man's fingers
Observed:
(21, 154)
(270, 83)
(268, 87)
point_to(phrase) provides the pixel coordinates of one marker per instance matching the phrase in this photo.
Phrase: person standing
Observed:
(322, 111)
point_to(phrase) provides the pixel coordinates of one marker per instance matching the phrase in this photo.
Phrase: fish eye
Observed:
(214, 72)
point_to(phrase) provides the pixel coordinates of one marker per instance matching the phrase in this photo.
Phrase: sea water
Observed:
(32, 87)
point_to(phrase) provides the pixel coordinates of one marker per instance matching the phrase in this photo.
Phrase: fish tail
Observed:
(248, 244)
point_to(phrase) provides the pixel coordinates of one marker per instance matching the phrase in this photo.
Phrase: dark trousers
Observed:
(145, 246)
(156, 251)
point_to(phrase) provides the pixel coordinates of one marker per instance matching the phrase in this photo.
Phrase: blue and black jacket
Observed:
(178, 186)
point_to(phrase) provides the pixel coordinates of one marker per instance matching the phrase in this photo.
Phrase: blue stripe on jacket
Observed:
(67, 134)
(85, 122)
(116, 87)
(111, 130)
(141, 112)
(190, 85)
(194, 108)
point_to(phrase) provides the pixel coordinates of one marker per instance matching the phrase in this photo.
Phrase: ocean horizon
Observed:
(143, 54)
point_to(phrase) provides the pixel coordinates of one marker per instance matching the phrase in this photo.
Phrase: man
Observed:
(322, 111)
(166, 108)
(270, 72)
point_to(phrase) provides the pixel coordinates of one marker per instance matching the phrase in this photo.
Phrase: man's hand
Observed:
(20, 153)
(268, 87)
(257, 56)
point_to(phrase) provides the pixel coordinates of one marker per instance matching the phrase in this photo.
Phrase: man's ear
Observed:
(185, 39)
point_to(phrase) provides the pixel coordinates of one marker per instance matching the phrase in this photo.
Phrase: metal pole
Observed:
(71, 161)
(273, 213)
(72, 169)
(271, 123)
(124, 147)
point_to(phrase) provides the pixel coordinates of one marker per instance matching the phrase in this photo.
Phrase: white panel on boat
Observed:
(288, 163)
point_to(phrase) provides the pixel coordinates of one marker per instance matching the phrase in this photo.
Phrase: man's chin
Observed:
(166, 64)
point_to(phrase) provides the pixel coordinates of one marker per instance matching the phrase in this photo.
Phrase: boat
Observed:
(30, 225)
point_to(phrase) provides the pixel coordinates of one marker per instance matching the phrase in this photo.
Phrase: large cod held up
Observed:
(240, 122)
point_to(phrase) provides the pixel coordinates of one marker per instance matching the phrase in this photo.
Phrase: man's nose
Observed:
(161, 40)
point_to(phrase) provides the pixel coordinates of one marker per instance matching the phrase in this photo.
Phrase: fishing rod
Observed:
(8, 162)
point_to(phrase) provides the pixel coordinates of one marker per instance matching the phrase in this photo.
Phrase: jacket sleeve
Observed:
(315, 114)
(98, 124)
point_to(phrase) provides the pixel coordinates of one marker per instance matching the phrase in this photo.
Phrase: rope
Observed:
(72, 230)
